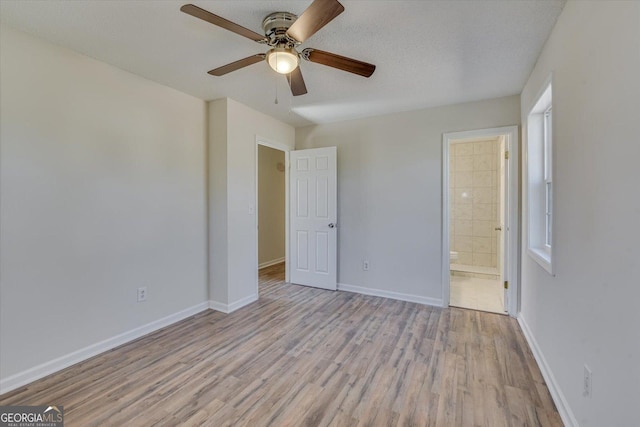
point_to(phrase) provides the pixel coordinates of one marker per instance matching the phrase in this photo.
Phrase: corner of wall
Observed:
(217, 199)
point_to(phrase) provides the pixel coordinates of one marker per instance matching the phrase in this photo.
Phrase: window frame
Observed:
(548, 177)
(540, 194)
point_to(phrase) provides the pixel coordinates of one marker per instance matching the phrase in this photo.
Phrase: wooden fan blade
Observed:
(221, 71)
(316, 16)
(296, 82)
(194, 10)
(340, 62)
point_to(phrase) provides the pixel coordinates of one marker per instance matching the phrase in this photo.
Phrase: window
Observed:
(547, 178)
(540, 179)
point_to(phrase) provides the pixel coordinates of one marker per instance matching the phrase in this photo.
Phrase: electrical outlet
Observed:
(142, 294)
(365, 265)
(586, 382)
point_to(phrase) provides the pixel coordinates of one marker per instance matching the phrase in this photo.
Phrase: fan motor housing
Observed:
(275, 26)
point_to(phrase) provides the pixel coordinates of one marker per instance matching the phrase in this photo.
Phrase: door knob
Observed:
(332, 225)
(498, 228)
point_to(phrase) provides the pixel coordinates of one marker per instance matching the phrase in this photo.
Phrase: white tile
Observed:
(482, 211)
(483, 147)
(483, 260)
(482, 179)
(482, 229)
(464, 163)
(464, 149)
(477, 294)
(464, 211)
(464, 227)
(464, 179)
(482, 245)
(482, 195)
(463, 195)
(464, 243)
(483, 162)
(465, 258)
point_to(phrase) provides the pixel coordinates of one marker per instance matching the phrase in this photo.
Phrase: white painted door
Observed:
(313, 214)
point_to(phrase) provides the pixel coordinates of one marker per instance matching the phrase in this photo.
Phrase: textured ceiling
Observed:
(428, 53)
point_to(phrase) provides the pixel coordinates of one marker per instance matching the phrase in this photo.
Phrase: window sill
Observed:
(543, 258)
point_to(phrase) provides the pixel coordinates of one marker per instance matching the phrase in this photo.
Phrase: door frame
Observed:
(512, 225)
(286, 149)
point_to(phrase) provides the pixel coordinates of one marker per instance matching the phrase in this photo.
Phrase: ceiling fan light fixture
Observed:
(283, 32)
(283, 60)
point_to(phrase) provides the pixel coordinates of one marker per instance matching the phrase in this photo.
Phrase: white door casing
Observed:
(510, 227)
(503, 207)
(286, 150)
(313, 217)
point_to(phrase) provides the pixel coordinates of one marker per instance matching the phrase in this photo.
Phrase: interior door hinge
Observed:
(506, 155)
(506, 284)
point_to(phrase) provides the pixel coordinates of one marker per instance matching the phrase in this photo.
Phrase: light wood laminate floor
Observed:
(307, 357)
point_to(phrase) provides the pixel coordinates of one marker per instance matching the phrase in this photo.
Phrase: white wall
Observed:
(217, 189)
(102, 191)
(588, 313)
(243, 126)
(390, 192)
(271, 205)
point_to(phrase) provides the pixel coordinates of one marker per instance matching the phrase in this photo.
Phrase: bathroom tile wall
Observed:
(474, 190)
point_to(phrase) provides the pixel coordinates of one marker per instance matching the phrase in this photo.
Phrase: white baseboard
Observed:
(25, 377)
(270, 263)
(218, 306)
(229, 308)
(562, 405)
(390, 294)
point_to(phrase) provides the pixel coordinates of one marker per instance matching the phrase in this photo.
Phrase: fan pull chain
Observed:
(276, 101)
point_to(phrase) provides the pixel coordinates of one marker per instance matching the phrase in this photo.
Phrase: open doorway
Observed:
(480, 217)
(272, 218)
(271, 207)
(476, 182)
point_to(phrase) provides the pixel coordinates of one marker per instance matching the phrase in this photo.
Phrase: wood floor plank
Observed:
(301, 356)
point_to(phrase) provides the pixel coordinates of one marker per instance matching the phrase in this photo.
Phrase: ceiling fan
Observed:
(283, 32)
